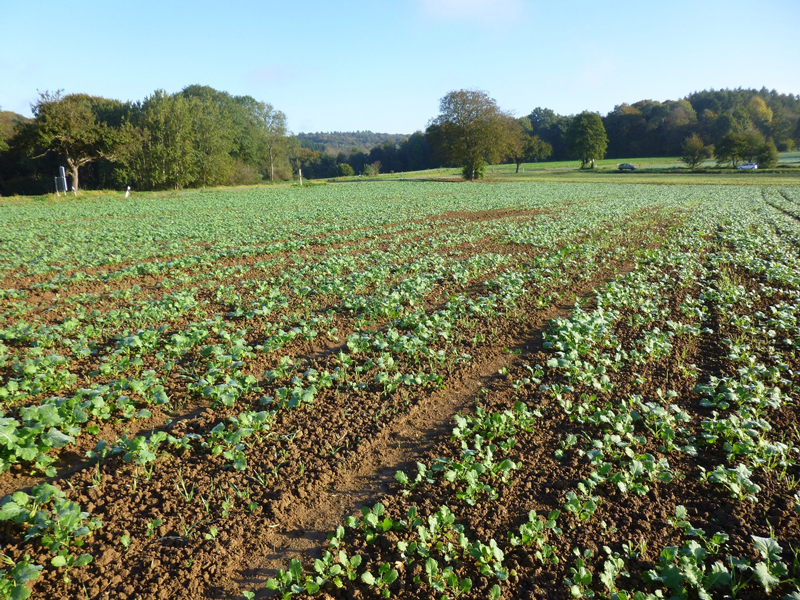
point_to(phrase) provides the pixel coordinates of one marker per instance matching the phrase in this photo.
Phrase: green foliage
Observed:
(586, 138)
(344, 170)
(476, 170)
(767, 157)
(695, 151)
(371, 170)
(470, 130)
(523, 145)
(12, 582)
(46, 514)
(745, 146)
(73, 128)
(382, 580)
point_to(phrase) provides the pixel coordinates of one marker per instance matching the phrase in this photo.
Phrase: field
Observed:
(649, 170)
(403, 389)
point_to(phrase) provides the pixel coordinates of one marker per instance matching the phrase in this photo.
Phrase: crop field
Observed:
(411, 390)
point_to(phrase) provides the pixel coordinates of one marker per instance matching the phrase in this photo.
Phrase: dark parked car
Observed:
(627, 167)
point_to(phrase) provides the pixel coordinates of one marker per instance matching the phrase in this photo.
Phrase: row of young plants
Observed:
(60, 526)
(645, 298)
(427, 330)
(223, 381)
(225, 386)
(143, 450)
(482, 438)
(53, 423)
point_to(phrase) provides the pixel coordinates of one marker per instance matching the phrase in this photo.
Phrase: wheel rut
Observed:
(302, 529)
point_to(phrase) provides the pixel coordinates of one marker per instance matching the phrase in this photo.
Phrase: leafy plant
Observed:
(385, 577)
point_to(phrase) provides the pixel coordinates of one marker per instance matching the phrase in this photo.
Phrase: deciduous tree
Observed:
(586, 138)
(161, 154)
(695, 151)
(470, 130)
(272, 127)
(68, 126)
(523, 146)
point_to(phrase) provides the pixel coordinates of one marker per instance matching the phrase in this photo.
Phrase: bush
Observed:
(344, 170)
(372, 170)
(767, 156)
(479, 170)
(243, 174)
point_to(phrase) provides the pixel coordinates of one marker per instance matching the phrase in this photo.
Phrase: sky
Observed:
(384, 65)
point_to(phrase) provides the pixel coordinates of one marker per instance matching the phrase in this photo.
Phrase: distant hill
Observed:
(344, 141)
(8, 121)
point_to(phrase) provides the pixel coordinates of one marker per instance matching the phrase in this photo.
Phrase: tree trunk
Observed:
(271, 166)
(518, 164)
(73, 169)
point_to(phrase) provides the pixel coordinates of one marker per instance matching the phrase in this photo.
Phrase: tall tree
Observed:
(272, 127)
(214, 133)
(68, 126)
(523, 146)
(416, 153)
(694, 151)
(470, 130)
(731, 148)
(161, 154)
(551, 128)
(586, 138)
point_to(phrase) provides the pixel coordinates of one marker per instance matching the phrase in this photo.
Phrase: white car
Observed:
(748, 167)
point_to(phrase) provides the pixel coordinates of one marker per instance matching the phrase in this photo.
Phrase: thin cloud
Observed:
(481, 12)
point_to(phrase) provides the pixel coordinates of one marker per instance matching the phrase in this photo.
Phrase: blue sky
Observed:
(383, 65)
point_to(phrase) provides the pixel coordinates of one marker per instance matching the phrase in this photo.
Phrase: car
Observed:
(748, 167)
(627, 167)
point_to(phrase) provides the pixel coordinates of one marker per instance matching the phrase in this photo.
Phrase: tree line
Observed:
(471, 131)
(346, 141)
(196, 137)
(204, 137)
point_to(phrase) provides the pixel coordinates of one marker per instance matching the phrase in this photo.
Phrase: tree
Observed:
(470, 131)
(694, 151)
(525, 147)
(372, 169)
(760, 114)
(745, 146)
(8, 125)
(731, 148)
(68, 126)
(215, 133)
(416, 153)
(586, 138)
(551, 128)
(796, 133)
(518, 139)
(160, 153)
(272, 125)
(767, 157)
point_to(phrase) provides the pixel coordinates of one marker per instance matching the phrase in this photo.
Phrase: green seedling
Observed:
(385, 577)
(581, 577)
(371, 523)
(152, 527)
(12, 582)
(582, 508)
(537, 531)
